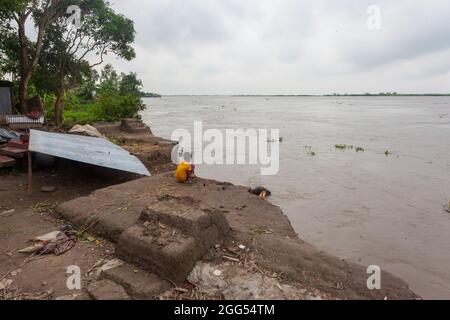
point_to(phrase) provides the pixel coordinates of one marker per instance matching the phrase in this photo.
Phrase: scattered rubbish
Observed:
(387, 153)
(56, 242)
(231, 259)
(313, 298)
(86, 130)
(69, 297)
(16, 272)
(261, 192)
(33, 248)
(242, 247)
(5, 283)
(7, 212)
(235, 283)
(204, 277)
(217, 273)
(110, 264)
(39, 296)
(49, 236)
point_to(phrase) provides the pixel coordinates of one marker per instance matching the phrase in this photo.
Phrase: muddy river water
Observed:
(381, 206)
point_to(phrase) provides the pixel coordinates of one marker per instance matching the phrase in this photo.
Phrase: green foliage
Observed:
(115, 106)
(119, 97)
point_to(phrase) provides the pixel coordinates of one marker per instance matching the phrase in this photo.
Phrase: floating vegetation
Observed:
(388, 153)
(308, 150)
(343, 146)
(359, 149)
(280, 140)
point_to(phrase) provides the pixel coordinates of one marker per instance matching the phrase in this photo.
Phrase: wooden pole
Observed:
(30, 174)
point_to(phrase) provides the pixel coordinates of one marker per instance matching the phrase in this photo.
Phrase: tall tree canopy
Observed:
(64, 44)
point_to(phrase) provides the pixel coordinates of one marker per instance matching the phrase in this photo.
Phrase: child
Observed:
(185, 172)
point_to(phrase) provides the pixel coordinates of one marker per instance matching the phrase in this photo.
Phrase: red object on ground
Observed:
(25, 138)
(6, 161)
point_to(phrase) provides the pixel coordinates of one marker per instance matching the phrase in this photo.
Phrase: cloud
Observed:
(288, 46)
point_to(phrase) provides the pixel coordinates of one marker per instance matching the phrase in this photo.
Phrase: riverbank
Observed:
(245, 245)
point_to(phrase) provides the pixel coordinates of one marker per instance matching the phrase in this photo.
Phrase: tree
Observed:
(100, 31)
(43, 12)
(130, 84)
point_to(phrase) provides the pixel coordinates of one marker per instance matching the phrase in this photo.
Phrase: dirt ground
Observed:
(23, 217)
(274, 247)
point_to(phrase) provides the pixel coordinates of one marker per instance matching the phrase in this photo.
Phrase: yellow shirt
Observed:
(182, 172)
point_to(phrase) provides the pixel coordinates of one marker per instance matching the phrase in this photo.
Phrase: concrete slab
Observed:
(138, 283)
(181, 213)
(170, 255)
(106, 290)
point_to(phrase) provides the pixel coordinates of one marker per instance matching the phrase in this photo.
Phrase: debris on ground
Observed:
(48, 189)
(261, 192)
(86, 130)
(235, 283)
(107, 265)
(56, 242)
(7, 212)
(5, 283)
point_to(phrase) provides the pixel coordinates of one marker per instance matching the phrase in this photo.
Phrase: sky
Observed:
(289, 46)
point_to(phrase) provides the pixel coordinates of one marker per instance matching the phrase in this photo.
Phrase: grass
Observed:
(116, 141)
(41, 207)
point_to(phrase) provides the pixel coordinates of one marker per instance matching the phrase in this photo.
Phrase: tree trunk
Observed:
(23, 93)
(59, 106)
(25, 75)
(27, 65)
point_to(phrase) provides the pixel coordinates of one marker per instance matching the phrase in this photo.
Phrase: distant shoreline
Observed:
(306, 95)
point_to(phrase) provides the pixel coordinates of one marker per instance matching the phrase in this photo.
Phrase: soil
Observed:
(263, 229)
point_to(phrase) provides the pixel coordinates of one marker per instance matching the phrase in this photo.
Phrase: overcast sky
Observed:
(289, 46)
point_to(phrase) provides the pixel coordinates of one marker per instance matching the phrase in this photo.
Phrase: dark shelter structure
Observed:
(6, 99)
